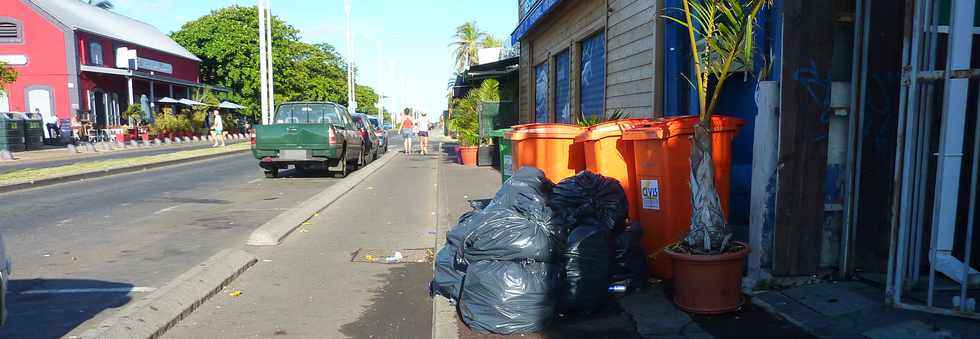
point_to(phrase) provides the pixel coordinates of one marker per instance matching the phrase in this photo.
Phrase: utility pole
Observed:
(351, 94)
(263, 79)
(269, 67)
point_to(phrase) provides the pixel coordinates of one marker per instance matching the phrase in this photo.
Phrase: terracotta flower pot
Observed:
(709, 284)
(468, 154)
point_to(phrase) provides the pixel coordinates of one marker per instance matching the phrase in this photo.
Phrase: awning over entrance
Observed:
(151, 77)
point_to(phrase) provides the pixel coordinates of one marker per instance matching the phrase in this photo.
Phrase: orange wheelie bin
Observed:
(608, 154)
(662, 152)
(549, 147)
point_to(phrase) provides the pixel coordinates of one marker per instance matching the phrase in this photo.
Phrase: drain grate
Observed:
(393, 256)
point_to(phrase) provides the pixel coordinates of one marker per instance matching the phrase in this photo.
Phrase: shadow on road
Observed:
(50, 308)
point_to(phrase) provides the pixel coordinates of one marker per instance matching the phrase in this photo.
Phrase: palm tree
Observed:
(490, 42)
(468, 38)
(726, 30)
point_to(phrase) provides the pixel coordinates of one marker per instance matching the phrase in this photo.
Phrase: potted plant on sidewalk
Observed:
(707, 264)
(466, 124)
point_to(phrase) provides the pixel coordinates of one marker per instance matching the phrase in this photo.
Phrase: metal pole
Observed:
(971, 222)
(263, 79)
(129, 86)
(857, 85)
(269, 59)
(381, 81)
(351, 100)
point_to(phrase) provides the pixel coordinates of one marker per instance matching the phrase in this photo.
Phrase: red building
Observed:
(77, 60)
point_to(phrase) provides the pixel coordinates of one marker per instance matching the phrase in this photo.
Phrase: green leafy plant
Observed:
(617, 114)
(134, 114)
(725, 28)
(468, 40)
(7, 76)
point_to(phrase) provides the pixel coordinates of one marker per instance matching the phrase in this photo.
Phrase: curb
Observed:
(443, 313)
(153, 315)
(114, 171)
(274, 231)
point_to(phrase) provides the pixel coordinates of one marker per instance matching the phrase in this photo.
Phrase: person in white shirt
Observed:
(423, 128)
(219, 129)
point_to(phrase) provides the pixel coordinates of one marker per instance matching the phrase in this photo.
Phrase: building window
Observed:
(11, 31)
(95, 53)
(563, 109)
(593, 79)
(541, 92)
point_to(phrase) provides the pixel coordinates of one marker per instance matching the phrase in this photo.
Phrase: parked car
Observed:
(4, 278)
(371, 141)
(309, 136)
(380, 132)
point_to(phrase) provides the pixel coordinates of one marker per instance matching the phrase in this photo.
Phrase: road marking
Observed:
(92, 290)
(165, 210)
(255, 181)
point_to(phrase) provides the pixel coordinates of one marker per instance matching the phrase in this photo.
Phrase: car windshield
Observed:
(374, 123)
(308, 114)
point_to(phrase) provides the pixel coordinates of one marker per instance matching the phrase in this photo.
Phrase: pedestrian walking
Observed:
(219, 129)
(206, 124)
(423, 128)
(407, 131)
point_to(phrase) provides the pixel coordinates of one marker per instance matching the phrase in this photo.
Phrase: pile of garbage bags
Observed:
(539, 249)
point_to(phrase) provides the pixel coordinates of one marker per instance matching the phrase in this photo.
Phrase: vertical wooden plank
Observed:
(805, 96)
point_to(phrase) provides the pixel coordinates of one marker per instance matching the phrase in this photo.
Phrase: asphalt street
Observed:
(80, 250)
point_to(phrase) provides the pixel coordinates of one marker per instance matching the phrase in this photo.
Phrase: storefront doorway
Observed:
(40, 100)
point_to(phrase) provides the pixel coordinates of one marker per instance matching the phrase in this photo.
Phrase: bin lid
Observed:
(543, 130)
(612, 128)
(499, 133)
(677, 126)
(11, 116)
(32, 116)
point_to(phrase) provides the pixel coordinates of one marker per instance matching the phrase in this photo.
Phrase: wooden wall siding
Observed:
(570, 23)
(806, 60)
(630, 62)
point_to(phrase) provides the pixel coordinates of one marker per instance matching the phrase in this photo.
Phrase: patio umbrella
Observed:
(230, 105)
(190, 102)
(168, 100)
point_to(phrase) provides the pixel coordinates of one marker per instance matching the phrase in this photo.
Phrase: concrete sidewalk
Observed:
(60, 156)
(310, 287)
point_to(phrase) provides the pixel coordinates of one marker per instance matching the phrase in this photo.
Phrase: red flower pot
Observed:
(708, 284)
(468, 155)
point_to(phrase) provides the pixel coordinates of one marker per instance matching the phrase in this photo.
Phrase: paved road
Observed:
(10, 166)
(135, 230)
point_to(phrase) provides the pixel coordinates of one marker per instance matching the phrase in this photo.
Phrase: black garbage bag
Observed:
(590, 195)
(527, 191)
(630, 267)
(587, 263)
(447, 279)
(509, 297)
(505, 234)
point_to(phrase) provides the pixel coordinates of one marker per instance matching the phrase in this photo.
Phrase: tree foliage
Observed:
(227, 41)
(468, 39)
(7, 76)
(491, 42)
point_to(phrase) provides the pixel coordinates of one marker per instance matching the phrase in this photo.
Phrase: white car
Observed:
(4, 277)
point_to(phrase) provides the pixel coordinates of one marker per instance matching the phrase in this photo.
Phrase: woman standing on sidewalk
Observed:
(407, 130)
(424, 134)
(219, 129)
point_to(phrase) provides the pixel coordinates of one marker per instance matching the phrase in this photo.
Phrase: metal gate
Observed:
(929, 221)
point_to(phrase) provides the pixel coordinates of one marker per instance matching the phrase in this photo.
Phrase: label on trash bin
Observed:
(507, 165)
(650, 190)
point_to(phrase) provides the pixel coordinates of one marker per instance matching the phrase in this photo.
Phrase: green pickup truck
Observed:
(309, 136)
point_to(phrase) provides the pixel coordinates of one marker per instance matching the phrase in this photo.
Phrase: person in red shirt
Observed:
(408, 130)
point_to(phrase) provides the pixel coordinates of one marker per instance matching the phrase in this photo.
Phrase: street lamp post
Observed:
(263, 79)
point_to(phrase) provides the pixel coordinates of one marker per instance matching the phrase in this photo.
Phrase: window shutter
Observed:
(563, 111)
(541, 92)
(593, 71)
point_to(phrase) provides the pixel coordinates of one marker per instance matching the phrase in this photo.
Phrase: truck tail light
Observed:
(332, 136)
(253, 139)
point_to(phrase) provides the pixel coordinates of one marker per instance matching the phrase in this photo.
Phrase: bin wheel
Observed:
(272, 173)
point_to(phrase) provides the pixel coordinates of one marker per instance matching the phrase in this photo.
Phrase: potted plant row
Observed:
(707, 263)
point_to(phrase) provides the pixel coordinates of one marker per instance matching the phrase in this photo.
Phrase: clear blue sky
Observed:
(415, 35)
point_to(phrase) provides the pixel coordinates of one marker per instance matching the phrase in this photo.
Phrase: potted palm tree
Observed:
(707, 265)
